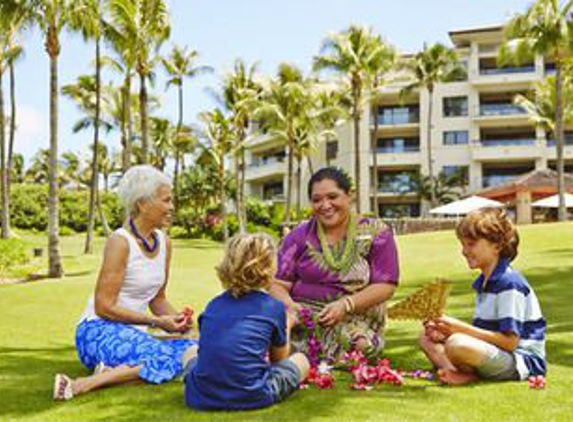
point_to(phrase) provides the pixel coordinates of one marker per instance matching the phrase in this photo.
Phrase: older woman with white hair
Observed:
(112, 332)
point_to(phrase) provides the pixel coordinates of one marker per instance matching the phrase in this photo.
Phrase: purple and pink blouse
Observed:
(311, 282)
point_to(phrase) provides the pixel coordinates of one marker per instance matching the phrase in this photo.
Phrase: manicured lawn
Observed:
(37, 321)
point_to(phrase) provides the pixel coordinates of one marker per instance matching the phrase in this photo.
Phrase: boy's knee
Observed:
(460, 349)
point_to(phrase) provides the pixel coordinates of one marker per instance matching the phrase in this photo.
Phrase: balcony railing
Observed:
(507, 70)
(397, 187)
(506, 142)
(399, 119)
(553, 142)
(501, 109)
(496, 180)
(267, 161)
(398, 149)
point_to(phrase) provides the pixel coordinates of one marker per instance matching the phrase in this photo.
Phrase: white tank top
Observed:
(144, 277)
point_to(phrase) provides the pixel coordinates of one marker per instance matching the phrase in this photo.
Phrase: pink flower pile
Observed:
(365, 376)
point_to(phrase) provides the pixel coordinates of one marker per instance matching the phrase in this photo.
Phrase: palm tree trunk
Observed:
(55, 263)
(310, 166)
(289, 184)
(429, 146)
(223, 198)
(102, 217)
(3, 167)
(176, 183)
(143, 112)
(374, 148)
(12, 127)
(356, 115)
(127, 151)
(559, 135)
(298, 188)
(94, 185)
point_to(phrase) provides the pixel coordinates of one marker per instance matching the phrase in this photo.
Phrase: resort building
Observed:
(476, 131)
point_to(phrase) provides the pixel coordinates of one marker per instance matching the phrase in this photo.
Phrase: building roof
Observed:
(488, 33)
(544, 180)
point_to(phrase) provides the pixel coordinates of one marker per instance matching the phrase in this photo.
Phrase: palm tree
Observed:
(433, 65)
(51, 16)
(380, 63)
(179, 65)
(219, 135)
(137, 29)
(240, 88)
(545, 29)
(86, 17)
(162, 134)
(349, 53)
(281, 110)
(39, 170)
(72, 169)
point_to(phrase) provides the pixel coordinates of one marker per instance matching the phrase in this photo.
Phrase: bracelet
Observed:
(152, 325)
(349, 304)
(347, 308)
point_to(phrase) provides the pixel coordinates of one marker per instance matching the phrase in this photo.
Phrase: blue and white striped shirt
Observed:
(509, 304)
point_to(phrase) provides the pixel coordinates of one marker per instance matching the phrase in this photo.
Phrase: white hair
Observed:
(140, 183)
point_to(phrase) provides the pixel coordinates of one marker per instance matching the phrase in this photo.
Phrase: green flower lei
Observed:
(344, 261)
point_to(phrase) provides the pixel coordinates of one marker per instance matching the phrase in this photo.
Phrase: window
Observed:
(455, 106)
(457, 173)
(393, 145)
(398, 115)
(331, 150)
(456, 137)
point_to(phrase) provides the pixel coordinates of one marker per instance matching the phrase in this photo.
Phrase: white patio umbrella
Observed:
(466, 205)
(553, 201)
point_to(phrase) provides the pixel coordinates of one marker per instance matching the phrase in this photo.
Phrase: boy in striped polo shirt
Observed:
(506, 340)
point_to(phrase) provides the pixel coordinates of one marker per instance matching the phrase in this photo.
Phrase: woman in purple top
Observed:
(342, 266)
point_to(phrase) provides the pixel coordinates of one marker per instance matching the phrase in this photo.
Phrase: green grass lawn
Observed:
(37, 321)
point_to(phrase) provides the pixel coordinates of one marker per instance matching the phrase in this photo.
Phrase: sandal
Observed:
(63, 387)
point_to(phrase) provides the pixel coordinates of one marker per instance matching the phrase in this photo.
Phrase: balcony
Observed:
(492, 77)
(390, 118)
(408, 155)
(266, 168)
(501, 114)
(503, 150)
(497, 180)
(507, 70)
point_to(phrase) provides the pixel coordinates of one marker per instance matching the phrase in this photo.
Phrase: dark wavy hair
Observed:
(493, 225)
(338, 175)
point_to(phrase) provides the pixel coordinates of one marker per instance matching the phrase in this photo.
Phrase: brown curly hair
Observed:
(250, 263)
(493, 225)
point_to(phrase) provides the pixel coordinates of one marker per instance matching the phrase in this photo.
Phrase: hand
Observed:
(432, 332)
(292, 319)
(172, 323)
(332, 313)
(448, 325)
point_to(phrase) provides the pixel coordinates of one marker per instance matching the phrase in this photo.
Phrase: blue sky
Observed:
(266, 31)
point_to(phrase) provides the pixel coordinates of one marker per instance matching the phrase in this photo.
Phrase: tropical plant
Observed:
(545, 29)
(433, 65)
(383, 61)
(219, 136)
(181, 64)
(349, 53)
(240, 88)
(445, 187)
(137, 29)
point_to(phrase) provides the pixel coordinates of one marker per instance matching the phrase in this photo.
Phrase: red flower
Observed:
(537, 382)
(325, 381)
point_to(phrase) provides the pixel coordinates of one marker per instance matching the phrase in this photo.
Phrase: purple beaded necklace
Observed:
(149, 248)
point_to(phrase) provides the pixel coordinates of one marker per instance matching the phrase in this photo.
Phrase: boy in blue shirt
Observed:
(507, 338)
(243, 359)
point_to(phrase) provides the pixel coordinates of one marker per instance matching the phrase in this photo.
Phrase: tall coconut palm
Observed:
(219, 136)
(349, 54)
(51, 16)
(283, 106)
(545, 29)
(181, 64)
(433, 65)
(86, 17)
(39, 170)
(5, 211)
(380, 64)
(240, 88)
(139, 28)
(162, 134)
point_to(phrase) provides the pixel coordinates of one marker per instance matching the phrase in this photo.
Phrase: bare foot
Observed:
(450, 377)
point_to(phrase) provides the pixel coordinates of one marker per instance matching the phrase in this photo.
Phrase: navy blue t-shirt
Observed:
(232, 366)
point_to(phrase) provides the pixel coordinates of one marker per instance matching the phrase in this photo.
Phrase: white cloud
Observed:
(31, 131)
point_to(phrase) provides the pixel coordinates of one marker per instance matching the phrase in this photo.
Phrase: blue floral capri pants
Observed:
(115, 343)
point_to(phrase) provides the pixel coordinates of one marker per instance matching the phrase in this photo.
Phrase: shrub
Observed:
(13, 252)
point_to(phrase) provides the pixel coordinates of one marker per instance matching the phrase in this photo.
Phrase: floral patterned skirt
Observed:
(114, 344)
(335, 341)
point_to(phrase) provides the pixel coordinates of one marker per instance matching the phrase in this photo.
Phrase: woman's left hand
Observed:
(332, 313)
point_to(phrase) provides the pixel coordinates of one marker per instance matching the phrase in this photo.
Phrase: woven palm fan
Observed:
(427, 303)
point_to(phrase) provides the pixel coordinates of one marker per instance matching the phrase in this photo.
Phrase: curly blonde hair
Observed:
(250, 263)
(493, 225)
